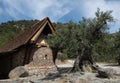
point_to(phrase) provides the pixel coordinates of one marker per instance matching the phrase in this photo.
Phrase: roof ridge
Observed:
(43, 21)
(24, 37)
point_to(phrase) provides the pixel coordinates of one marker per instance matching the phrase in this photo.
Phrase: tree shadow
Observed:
(113, 65)
(61, 70)
(101, 77)
(52, 76)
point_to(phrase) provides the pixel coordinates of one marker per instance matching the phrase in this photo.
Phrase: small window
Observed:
(46, 56)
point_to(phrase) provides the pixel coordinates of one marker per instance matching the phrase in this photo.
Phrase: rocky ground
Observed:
(64, 77)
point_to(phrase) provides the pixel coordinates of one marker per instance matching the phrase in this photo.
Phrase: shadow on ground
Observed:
(62, 70)
(113, 65)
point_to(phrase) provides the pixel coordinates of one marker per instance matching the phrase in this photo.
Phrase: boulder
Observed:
(18, 72)
(105, 72)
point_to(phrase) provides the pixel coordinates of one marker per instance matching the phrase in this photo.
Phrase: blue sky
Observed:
(58, 10)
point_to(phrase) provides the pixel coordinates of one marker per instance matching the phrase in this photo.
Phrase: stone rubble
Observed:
(64, 78)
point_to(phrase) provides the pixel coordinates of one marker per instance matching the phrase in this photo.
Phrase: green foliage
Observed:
(116, 46)
(65, 39)
(12, 28)
(88, 33)
(70, 37)
(104, 50)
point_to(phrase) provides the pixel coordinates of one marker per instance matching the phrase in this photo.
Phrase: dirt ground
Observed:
(69, 63)
(65, 77)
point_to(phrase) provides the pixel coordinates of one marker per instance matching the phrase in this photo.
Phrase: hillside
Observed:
(12, 28)
(103, 48)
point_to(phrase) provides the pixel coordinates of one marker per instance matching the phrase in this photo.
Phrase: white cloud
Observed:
(55, 9)
(37, 9)
(90, 7)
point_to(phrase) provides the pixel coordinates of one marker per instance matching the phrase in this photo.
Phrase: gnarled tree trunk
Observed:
(54, 52)
(83, 59)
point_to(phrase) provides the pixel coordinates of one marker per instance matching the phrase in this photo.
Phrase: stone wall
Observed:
(18, 58)
(42, 62)
(43, 57)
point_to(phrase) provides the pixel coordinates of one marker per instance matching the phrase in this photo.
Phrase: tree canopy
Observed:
(91, 33)
(88, 33)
